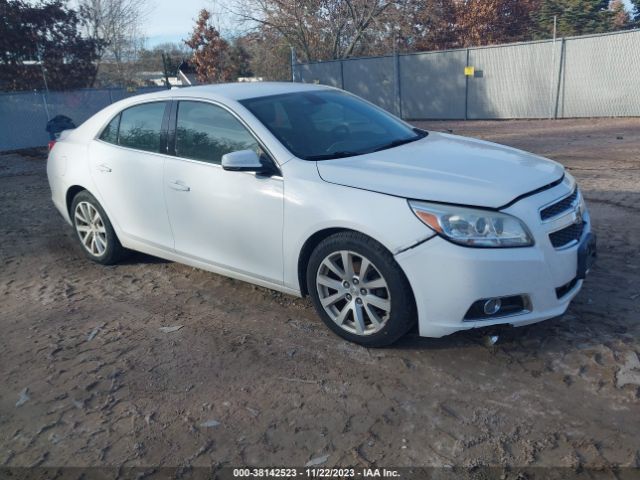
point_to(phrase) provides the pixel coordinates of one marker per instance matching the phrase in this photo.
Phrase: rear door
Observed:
(228, 219)
(127, 168)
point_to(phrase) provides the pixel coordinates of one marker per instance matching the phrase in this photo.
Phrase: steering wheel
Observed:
(339, 133)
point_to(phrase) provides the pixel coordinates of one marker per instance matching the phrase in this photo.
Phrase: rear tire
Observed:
(94, 231)
(359, 290)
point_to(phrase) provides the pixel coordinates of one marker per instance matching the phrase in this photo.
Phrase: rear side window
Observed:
(206, 132)
(110, 133)
(141, 126)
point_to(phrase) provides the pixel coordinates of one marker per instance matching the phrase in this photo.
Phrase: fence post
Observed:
(560, 73)
(293, 64)
(46, 107)
(397, 92)
(466, 89)
(553, 65)
(342, 74)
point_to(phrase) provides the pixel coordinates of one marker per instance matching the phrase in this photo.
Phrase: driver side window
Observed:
(206, 132)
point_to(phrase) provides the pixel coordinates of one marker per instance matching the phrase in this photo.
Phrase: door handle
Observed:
(177, 185)
(104, 168)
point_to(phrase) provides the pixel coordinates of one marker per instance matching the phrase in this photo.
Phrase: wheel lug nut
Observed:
(355, 281)
(363, 291)
(349, 297)
(345, 284)
(359, 301)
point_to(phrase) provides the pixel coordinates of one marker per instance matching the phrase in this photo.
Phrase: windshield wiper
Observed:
(332, 155)
(402, 141)
(348, 153)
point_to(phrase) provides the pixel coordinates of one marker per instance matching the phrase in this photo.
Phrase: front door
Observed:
(228, 219)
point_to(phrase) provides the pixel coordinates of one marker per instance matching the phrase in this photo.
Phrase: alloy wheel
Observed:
(90, 228)
(353, 292)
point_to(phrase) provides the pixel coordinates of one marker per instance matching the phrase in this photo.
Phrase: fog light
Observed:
(498, 307)
(492, 306)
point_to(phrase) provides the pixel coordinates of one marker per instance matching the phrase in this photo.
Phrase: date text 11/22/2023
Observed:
(315, 473)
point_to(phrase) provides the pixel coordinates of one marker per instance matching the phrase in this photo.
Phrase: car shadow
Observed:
(462, 339)
(138, 258)
(575, 330)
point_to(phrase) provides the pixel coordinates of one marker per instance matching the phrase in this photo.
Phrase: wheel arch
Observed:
(72, 191)
(312, 242)
(398, 282)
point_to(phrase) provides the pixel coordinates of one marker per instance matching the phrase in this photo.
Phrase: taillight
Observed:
(51, 144)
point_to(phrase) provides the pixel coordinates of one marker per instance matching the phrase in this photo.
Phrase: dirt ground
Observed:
(254, 378)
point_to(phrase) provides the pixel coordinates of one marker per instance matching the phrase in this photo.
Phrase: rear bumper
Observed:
(447, 279)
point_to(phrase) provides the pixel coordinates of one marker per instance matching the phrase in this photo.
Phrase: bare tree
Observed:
(318, 29)
(620, 15)
(415, 25)
(116, 24)
(269, 54)
(490, 22)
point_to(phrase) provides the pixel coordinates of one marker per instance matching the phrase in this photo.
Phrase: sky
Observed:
(173, 20)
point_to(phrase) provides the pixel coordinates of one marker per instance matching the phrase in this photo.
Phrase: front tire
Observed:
(94, 230)
(359, 290)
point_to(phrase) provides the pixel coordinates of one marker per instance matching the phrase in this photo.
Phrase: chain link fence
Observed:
(589, 76)
(24, 115)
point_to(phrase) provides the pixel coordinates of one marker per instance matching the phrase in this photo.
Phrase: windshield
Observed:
(327, 124)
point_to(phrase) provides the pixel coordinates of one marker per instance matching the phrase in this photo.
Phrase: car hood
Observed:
(446, 168)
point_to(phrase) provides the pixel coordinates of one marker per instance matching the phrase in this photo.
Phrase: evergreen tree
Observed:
(574, 17)
(635, 14)
(43, 39)
(240, 58)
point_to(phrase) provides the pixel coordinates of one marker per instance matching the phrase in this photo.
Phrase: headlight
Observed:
(473, 227)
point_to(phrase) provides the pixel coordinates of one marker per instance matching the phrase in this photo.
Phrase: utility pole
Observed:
(46, 85)
(165, 67)
(44, 75)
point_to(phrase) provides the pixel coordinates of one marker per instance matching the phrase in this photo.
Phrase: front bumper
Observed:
(447, 278)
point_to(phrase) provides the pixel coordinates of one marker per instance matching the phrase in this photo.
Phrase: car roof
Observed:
(242, 90)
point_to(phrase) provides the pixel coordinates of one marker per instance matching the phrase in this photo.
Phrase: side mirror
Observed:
(243, 161)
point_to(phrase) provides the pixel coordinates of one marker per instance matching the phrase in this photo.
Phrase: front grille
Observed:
(559, 207)
(566, 288)
(567, 235)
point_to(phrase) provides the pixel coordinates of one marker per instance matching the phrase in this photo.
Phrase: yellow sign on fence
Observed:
(469, 71)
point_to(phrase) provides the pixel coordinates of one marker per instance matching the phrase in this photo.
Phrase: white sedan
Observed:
(313, 191)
